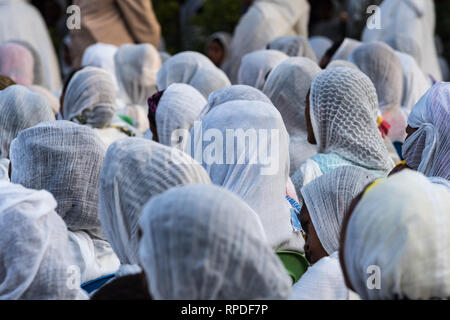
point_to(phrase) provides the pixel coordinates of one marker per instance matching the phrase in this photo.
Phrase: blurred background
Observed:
(186, 24)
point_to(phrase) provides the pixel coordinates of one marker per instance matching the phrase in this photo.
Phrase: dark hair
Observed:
(129, 287)
(5, 82)
(330, 53)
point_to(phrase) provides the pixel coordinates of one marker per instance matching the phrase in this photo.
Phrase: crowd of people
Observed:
(273, 165)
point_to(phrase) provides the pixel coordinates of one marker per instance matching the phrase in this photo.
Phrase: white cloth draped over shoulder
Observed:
(323, 281)
(256, 67)
(257, 171)
(428, 149)
(202, 242)
(265, 21)
(405, 235)
(343, 112)
(287, 87)
(65, 159)
(22, 21)
(134, 171)
(408, 26)
(36, 261)
(192, 68)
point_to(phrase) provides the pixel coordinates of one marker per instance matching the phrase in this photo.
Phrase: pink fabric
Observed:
(17, 63)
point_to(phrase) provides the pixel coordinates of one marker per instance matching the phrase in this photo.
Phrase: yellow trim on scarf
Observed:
(373, 184)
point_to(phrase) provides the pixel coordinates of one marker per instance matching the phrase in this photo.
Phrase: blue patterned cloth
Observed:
(295, 213)
(330, 161)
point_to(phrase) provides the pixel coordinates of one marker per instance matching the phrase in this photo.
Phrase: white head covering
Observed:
(65, 159)
(225, 40)
(428, 149)
(258, 170)
(136, 67)
(233, 93)
(346, 49)
(343, 113)
(35, 256)
(287, 87)
(177, 109)
(405, 235)
(101, 55)
(208, 244)
(380, 63)
(192, 68)
(329, 197)
(256, 67)
(415, 83)
(293, 46)
(90, 98)
(320, 45)
(20, 109)
(135, 170)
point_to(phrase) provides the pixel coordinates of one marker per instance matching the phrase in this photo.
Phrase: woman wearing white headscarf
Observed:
(257, 171)
(346, 49)
(404, 22)
(35, 260)
(415, 83)
(101, 55)
(218, 47)
(17, 62)
(380, 63)
(192, 68)
(398, 248)
(256, 67)
(19, 109)
(293, 46)
(136, 67)
(265, 21)
(325, 202)
(233, 93)
(65, 159)
(22, 21)
(287, 87)
(341, 115)
(136, 170)
(207, 245)
(90, 99)
(172, 114)
(427, 147)
(320, 45)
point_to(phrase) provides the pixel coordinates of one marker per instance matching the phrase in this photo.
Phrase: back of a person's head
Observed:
(65, 159)
(20, 109)
(128, 287)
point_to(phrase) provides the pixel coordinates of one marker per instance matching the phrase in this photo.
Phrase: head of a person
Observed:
(134, 171)
(20, 109)
(293, 46)
(65, 159)
(128, 287)
(50, 97)
(287, 87)
(244, 147)
(208, 244)
(427, 146)
(90, 98)
(17, 62)
(407, 44)
(136, 67)
(172, 113)
(217, 47)
(192, 68)
(393, 248)
(233, 93)
(325, 201)
(341, 114)
(256, 67)
(101, 55)
(36, 257)
(380, 63)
